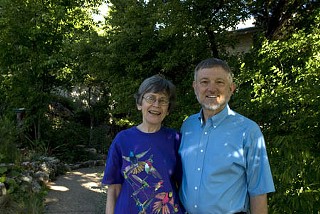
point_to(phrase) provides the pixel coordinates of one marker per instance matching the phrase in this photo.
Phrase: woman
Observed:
(143, 167)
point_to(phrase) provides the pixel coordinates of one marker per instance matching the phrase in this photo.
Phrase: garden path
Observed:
(77, 192)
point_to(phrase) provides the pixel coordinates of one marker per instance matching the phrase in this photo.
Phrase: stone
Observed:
(42, 177)
(3, 189)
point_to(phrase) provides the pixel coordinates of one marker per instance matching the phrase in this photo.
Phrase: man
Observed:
(224, 158)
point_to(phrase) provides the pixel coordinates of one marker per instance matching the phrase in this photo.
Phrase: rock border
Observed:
(36, 174)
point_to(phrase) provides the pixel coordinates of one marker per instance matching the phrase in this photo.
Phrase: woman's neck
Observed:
(148, 129)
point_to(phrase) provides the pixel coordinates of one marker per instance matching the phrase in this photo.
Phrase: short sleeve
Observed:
(112, 172)
(259, 177)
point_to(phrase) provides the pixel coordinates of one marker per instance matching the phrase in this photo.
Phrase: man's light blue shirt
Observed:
(224, 163)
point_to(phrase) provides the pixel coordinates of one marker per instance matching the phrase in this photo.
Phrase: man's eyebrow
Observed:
(204, 78)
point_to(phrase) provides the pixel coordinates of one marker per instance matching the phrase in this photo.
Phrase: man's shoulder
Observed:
(190, 122)
(192, 118)
(242, 120)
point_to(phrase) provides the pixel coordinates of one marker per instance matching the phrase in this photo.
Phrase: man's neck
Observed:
(208, 113)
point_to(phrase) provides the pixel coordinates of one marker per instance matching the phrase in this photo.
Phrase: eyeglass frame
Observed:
(151, 99)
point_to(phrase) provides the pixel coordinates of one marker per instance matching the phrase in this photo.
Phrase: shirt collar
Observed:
(216, 119)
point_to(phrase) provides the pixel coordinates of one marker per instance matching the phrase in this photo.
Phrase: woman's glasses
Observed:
(152, 99)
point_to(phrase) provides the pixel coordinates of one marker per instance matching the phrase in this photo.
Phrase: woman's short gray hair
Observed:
(157, 84)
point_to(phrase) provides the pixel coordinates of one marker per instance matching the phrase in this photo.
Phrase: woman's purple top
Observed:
(148, 167)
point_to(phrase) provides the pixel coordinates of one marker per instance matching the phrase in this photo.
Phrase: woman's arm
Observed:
(112, 196)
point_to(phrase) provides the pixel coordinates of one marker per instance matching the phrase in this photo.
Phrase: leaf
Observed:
(3, 169)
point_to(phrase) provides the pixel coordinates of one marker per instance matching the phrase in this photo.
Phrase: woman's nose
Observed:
(156, 102)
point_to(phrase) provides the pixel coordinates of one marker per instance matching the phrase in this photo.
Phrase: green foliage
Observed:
(283, 85)
(150, 37)
(100, 139)
(49, 47)
(34, 203)
(70, 135)
(19, 197)
(279, 19)
(38, 62)
(35, 61)
(8, 141)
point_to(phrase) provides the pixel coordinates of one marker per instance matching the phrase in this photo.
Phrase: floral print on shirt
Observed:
(146, 181)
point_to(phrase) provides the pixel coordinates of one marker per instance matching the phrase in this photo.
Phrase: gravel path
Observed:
(77, 192)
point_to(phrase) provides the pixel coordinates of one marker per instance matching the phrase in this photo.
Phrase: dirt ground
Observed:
(77, 192)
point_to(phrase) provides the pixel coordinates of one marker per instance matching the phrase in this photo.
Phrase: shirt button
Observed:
(196, 188)
(198, 169)
(205, 132)
(195, 206)
(201, 150)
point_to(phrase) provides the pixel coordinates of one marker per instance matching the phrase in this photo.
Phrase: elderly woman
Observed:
(143, 167)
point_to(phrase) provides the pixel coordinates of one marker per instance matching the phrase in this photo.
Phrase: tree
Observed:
(278, 18)
(283, 79)
(36, 40)
(278, 80)
(149, 37)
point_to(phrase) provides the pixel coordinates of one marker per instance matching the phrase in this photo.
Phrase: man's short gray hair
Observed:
(211, 63)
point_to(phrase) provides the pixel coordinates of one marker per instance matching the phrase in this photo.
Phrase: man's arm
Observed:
(259, 204)
(112, 196)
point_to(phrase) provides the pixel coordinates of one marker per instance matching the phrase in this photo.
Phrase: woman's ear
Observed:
(139, 107)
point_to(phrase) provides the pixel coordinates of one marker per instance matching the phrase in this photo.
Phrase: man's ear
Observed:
(233, 88)
(194, 86)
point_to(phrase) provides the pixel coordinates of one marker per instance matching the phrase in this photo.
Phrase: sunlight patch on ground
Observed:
(93, 186)
(77, 173)
(51, 200)
(94, 175)
(59, 188)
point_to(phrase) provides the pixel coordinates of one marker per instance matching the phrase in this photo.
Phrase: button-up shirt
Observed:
(224, 163)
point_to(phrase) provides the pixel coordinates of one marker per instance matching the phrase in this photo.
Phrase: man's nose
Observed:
(212, 86)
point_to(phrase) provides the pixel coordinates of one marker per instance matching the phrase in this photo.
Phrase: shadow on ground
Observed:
(77, 192)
